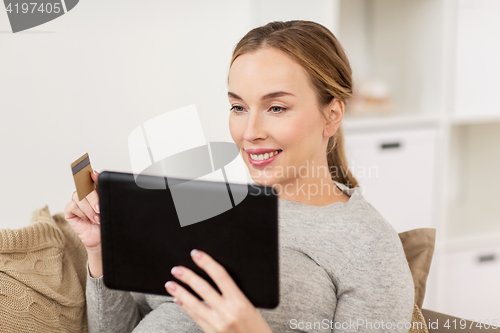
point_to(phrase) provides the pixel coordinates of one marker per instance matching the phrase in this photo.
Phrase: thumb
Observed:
(94, 175)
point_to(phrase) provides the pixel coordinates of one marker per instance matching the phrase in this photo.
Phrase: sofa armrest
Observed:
(436, 322)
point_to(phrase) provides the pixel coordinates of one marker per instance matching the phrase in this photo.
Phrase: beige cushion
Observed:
(42, 277)
(418, 245)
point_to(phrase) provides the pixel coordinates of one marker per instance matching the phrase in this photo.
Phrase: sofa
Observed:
(43, 277)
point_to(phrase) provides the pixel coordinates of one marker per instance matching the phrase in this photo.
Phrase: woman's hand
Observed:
(229, 312)
(84, 218)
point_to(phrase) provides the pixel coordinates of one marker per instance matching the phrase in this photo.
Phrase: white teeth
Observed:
(265, 156)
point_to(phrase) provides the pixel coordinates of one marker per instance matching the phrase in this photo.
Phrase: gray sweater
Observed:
(342, 269)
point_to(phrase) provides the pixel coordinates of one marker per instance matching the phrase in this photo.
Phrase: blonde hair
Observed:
(315, 48)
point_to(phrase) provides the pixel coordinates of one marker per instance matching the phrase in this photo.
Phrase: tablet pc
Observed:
(142, 237)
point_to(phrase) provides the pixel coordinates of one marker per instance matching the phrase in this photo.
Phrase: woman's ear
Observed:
(335, 113)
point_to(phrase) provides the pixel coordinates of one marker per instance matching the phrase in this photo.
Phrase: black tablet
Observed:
(146, 230)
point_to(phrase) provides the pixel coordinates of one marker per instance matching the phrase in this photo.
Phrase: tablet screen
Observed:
(143, 237)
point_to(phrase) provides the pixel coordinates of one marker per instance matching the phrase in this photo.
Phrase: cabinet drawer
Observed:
(469, 283)
(396, 170)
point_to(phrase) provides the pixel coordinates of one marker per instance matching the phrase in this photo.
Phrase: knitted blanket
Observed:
(42, 277)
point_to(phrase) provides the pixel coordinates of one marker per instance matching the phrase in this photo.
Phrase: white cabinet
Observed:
(440, 59)
(477, 52)
(396, 170)
(469, 284)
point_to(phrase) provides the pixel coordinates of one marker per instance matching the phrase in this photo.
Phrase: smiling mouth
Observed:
(263, 157)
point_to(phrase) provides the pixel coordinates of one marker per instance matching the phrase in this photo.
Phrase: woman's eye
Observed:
(277, 109)
(237, 109)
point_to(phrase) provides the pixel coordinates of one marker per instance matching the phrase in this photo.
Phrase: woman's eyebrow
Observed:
(271, 95)
(233, 95)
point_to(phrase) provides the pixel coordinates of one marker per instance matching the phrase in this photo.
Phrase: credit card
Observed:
(81, 174)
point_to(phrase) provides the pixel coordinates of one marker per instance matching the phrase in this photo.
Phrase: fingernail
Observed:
(176, 301)
(195, 253)
(95, 172)
(170, 285)
(97, 208)
(97, 219)
(176, 271)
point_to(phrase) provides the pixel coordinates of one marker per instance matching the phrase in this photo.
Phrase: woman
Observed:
(342, 266)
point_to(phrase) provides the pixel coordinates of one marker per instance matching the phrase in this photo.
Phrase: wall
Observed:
(82, 82)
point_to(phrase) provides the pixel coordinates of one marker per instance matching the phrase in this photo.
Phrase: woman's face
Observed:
(274, 108)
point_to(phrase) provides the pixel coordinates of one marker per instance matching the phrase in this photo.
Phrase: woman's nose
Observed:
(254, 129)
